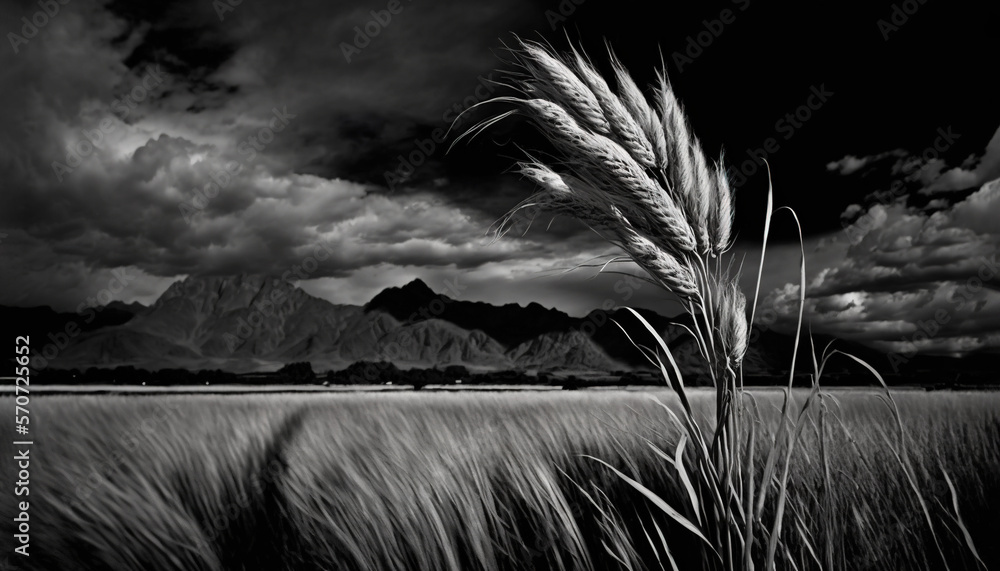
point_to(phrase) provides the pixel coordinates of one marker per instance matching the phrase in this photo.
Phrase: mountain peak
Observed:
(402, 301)
(417, 286)
(229, 292)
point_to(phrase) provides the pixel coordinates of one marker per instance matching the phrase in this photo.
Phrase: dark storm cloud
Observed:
(118, 200)
(904, 270)
(905, 263)
(913, 176)
(356, 110)
(851, 164)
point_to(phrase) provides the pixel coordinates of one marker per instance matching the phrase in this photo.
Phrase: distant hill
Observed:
(251, 322)
(248, 323)
(509, 324)
(513, 325)
(42, 324)
(133, 308)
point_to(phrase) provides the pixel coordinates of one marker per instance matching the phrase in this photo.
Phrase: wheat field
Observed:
(472, 481)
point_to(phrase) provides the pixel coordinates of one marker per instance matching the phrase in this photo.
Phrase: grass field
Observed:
(467, 481)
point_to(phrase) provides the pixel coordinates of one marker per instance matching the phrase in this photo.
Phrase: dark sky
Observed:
(895, 228)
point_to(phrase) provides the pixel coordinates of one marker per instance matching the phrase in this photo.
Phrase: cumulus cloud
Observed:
(906, 273)
(987, 168)
(905, 263)
(927, 171)
(851, 164)
(907, 175)
(851, 211)
(176, 207)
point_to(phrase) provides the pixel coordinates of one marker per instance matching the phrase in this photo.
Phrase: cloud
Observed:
(38, 274)
(911, 259)
(910, 177)
(197, 178)
(907, 271)
(851, 164)
(541, 279)
(847, 165)
(851, 211)
(189, 172)
(926, 171)
(941, 318)
(906, 277)
(176, 207)
(966, 176)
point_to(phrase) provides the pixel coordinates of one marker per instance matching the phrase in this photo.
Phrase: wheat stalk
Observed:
(634, 171)
(552, 79)
(623, 162)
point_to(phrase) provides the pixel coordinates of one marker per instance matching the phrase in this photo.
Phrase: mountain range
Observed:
(249, 323)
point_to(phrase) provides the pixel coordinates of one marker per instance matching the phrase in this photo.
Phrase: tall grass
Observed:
(484, 481)
(632, 170)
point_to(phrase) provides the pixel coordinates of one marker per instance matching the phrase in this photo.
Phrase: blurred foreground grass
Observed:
(459, 481)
